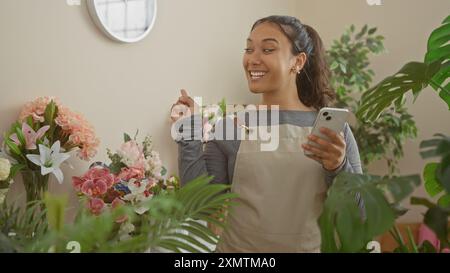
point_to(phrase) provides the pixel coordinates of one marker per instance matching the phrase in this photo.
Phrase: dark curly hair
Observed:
(313, 83)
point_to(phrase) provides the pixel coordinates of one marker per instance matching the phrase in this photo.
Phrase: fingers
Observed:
(316, 158)
(178, 111)
(334, 137)
(316, 151)
(185, 99)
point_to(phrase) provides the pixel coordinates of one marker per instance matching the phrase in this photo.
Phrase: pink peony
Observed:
(96, 205)
(129, 173)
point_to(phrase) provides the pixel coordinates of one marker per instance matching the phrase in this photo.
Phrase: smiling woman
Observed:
(280, 192)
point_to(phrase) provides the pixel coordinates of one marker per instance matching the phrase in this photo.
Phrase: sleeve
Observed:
(193, 161)
(352, 161)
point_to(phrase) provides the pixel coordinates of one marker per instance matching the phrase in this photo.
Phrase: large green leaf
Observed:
(348, 227)
(413, 76)
(439, 51)
(439, 146)
(432, 185)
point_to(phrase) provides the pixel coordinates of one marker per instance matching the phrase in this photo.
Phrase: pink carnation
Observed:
(36, 109)
(80, 133)
(75, 128)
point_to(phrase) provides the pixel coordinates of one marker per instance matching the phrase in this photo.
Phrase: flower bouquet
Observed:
(41, 139)
(134, 176)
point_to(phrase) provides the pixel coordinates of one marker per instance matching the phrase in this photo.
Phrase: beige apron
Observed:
(281, 194)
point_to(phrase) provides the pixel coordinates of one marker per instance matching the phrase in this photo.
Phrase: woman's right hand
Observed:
(184, 107)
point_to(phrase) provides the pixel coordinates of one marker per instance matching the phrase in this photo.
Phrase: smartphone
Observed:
(331, 118)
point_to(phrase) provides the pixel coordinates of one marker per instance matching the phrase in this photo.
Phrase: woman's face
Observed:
(268, 60)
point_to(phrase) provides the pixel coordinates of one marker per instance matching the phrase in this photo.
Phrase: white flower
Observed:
(154, 165)
(139, 194)
(125, 230)
(5, 167)
(50, 160)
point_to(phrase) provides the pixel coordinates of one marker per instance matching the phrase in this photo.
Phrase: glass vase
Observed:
(35, 184)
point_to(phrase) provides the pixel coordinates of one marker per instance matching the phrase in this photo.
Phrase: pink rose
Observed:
(96, 205)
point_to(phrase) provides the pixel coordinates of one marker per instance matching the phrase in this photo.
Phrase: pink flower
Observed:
(102, 174)
(30, 135)
(80, 133)
(36, 108)
(94, 182)
(96, 205)
(94, 187)
(132, 155)
(77, 182)
(129, 173)
(74, 126)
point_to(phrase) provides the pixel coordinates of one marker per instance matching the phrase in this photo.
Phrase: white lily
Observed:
(50, 160)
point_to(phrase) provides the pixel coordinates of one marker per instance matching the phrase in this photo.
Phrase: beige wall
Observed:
(50, 48)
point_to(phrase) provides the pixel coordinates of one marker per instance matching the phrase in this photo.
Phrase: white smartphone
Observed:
(331, 118)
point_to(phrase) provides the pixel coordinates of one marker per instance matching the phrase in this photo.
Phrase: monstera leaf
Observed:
(437, 174)
(439, 51)
(414, 76)
(347, 227)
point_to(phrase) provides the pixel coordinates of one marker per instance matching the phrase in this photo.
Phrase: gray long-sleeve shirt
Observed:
(218, 157)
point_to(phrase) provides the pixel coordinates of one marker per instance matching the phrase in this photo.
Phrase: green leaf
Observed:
(436, 218)
(362, 33)
(432, 185)
(20, 137)
(439, 52)
(346, 227)
(343, 68)
(56, 211)
(372, 31)
(223, 106)
(13, 147)
(334, 65)
(50, 113)
(414, 77)
(126, 137)
(444, 201)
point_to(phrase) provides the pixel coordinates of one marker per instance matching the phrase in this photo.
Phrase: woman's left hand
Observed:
(331, 153)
